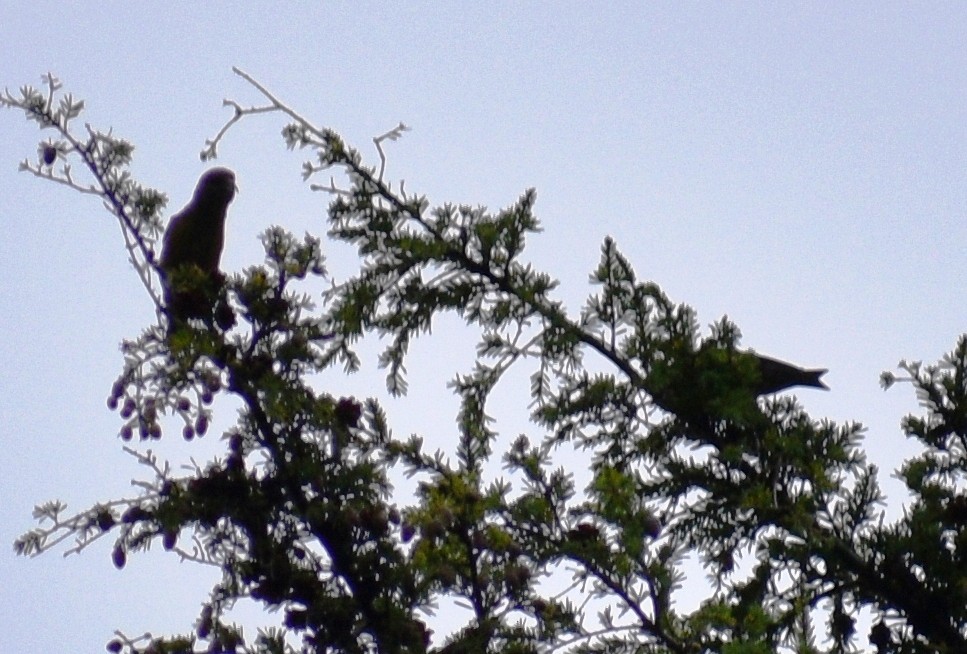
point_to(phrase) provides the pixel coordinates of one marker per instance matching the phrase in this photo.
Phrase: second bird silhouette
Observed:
(193, 248)
(775, 375)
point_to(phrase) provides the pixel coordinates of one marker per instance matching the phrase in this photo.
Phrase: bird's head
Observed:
(216, 186)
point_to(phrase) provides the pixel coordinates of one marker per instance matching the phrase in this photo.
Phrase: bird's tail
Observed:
(812, 378)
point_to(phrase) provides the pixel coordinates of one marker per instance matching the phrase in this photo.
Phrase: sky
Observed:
(798, 167)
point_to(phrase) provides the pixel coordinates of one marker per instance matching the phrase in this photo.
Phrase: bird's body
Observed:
(194, 239)
(706, 382)
(196, 234)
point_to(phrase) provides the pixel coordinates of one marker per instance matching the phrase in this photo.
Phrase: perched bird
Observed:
(775, 376)
(716, 381)
(193, 247)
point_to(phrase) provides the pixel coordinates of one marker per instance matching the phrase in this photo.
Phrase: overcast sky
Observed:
(798, 167)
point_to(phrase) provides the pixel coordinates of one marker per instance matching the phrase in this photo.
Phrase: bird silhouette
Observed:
(193, 246)
(715, 381)
(775, 375)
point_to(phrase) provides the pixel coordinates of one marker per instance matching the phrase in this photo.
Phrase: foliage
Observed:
(781, 510)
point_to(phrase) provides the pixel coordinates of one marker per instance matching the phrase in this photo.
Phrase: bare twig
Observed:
(392, 135)
(312, 135)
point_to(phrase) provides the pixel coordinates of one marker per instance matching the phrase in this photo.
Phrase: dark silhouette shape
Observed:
(717, 381)
(193, 248)
(775, 376)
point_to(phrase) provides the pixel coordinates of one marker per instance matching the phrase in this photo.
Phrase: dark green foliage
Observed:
(684, 456)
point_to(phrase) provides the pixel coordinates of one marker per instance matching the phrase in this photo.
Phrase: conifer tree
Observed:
(686, 456)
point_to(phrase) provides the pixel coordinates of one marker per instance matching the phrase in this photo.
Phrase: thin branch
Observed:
(392, 135)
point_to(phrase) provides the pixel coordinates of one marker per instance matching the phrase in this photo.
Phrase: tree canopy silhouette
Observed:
(686, 455)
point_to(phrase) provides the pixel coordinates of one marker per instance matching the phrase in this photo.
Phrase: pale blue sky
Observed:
(799, 167)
